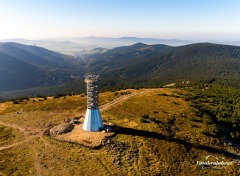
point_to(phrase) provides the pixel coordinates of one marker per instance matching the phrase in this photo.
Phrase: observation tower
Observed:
(93, 119)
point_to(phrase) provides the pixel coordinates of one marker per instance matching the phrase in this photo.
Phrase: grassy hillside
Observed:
(161, 133)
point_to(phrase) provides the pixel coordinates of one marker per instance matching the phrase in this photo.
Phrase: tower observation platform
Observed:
(93, 119)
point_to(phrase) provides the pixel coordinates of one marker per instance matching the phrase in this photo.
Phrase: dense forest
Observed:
(31, 71)
(203, 62)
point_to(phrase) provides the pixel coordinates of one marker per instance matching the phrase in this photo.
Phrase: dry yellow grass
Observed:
(160, 135)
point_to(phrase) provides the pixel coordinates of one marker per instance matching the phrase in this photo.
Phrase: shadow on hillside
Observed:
(187, 145)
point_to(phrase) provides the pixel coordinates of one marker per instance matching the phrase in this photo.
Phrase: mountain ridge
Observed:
(38, 66)
(185, 62)
(140, 65)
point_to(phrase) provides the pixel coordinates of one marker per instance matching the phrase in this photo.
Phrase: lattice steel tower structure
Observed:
(93, 119)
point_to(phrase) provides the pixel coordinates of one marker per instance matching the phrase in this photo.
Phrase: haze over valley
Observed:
(27, 67)
(103, 87)
(82, 46)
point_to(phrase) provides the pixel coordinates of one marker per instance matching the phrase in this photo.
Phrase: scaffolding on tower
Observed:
(93, 119)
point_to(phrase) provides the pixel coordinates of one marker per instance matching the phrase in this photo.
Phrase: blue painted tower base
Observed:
(93, 120)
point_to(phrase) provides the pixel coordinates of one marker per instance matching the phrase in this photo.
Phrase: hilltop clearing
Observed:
(160, 133)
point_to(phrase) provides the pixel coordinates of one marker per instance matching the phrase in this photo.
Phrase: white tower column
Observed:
(93, 119)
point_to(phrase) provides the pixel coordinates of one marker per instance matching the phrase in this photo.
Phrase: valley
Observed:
(119, 88)
(34, 71)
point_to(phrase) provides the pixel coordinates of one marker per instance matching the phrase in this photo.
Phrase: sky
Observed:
(166, 19)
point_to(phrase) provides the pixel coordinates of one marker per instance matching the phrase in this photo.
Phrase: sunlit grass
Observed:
(160, 135)
(9, 135)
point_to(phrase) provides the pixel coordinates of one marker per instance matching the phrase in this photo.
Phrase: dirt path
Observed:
(36, 160)
(30, 134)
(116, 101)
(17, 143)
(27, 137)
(14, 126)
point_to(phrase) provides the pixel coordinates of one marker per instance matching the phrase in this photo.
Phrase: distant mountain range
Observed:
(86, 45)
(83, 46)
(24, 67)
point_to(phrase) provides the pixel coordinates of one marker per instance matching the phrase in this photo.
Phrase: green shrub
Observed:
(142, 120)
(15, 102)
(145, 116)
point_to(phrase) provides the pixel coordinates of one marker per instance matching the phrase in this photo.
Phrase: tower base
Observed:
(93, 120)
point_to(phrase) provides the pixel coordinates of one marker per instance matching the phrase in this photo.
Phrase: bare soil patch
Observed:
(90, 139)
